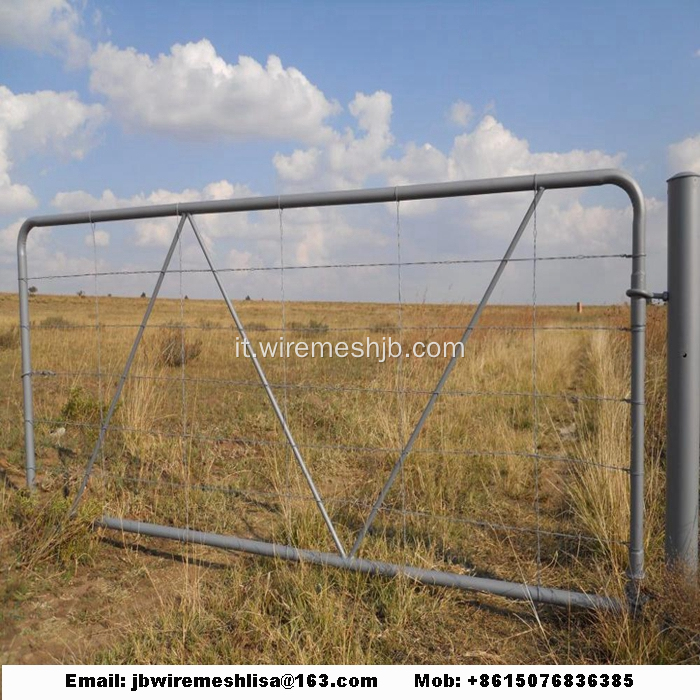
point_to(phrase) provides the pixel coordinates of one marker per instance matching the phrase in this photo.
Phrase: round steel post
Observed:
(683, 418)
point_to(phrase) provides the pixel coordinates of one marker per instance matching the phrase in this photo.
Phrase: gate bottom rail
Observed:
(508, 589)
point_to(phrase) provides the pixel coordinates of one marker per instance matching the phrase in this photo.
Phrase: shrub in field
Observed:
(255, 326)
(317, 326)
(54, 322)
(384, 327)
(173, 351)
(313, 326)
(207, 324)
(81, 407)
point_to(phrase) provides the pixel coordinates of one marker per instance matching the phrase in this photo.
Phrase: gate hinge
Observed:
(649, 296)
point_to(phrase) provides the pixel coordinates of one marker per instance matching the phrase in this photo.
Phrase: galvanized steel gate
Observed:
(538, 185)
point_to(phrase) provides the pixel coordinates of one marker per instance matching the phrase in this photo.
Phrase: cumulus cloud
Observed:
(193, 93)
(13, 197)
(348, 158)
(461, 113)
(352, 157)
(685, 155)
(45, 26)
(101, 239)
(242, 261)
(45, 121)
(8, 239)
(79, 200)
(491, 150)
(8, 250)
(150, 233)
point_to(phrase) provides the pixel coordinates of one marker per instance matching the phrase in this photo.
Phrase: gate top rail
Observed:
(497, 185)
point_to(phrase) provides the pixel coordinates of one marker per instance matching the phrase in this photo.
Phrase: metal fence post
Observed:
(683, 418)
(25, 338)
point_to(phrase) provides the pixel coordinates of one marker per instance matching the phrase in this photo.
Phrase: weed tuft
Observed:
(55, 322)
(81, 407)
(313, 326)
(174, 350)
(46, 534)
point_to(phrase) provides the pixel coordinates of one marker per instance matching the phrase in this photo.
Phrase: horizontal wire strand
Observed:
(336, 266)
(338, 388)
(336, 446)
(316, 331)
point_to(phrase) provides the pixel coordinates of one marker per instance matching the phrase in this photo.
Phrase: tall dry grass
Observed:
(599, 495)
(214, 608)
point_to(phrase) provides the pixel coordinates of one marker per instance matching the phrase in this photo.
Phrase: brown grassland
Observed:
(195, 444)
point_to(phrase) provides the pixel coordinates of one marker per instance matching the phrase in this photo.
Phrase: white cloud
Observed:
(8, 239)
(350, 159)
(29, 123)
(159, 233)
(346, 160)
(14, 197)
(685, 155)
(194, 93)
(45, 26)
(491, 150)
(101, 239)
(300, 166)
(79, 200)
(241, 260)
(697, 54)
(461, 113)
(36, 249)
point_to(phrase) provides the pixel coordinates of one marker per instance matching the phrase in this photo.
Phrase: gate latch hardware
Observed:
(643, 294)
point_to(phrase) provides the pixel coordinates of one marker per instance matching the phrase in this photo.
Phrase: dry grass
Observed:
(600, 496)
(9, 338)
(471, 464)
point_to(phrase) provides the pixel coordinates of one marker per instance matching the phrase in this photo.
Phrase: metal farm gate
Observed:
(346, 555)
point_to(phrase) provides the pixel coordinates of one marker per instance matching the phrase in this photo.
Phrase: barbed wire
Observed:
(336, 266)
(320, 332)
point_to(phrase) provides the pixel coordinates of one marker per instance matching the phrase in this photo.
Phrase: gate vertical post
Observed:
(25, 342)
(683, 416)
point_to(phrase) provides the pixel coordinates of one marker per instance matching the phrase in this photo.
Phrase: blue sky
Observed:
(153, 103)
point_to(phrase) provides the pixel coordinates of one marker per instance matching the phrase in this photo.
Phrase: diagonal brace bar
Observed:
(445, 375)
(270, 394)
(127, 367)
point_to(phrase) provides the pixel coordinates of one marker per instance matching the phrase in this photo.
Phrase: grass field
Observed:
(195, 444)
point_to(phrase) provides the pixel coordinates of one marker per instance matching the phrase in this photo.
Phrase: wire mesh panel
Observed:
(429, 432)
